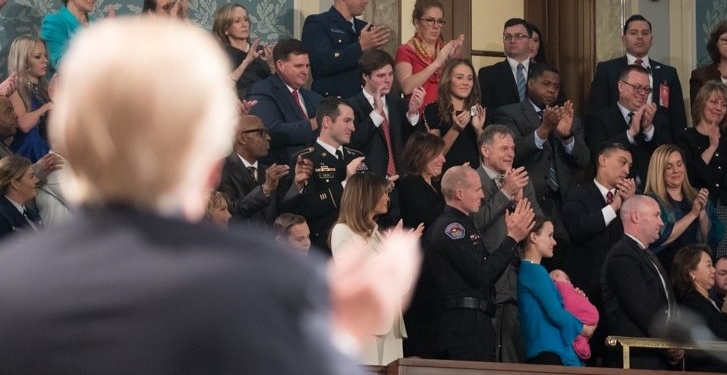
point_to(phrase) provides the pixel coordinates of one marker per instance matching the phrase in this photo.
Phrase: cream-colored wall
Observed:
(487, 35)
(407, 28)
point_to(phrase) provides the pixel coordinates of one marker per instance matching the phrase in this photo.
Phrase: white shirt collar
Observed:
(641, 245)
(624, 112)
(329, 148)
(247, 163)
(17, 205)
(490, 173)
(631, 59)
(514, 63)
(602, 189)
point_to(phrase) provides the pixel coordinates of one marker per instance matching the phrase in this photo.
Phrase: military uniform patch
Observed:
(454, 231)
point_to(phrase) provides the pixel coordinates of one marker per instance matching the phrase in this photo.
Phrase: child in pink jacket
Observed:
(579, 306)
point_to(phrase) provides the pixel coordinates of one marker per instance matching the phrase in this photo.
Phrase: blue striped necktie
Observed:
(520, 75)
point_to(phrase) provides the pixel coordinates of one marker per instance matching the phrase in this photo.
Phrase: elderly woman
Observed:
(704, 145)
(28, 58)
(692, 277)
(457, 115)
(18, 187)
(250, 61)
(365, 197)
(687, 213)
(717, 70)
(548, 329)
(420, 60)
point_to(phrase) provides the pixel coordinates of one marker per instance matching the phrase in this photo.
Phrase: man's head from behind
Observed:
(151, 138)
(8, 118)
(292, 64)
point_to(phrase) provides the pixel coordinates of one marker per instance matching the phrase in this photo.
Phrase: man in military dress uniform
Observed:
(463, 271)
(333, 164)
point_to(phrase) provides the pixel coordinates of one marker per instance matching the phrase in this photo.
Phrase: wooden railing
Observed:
(646, 342)
(415, 366)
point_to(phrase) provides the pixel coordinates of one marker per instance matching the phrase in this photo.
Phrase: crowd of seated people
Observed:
(532, 188)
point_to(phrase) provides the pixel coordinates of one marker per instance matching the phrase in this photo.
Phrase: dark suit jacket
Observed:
(247, 201)
(369, 139)
(498, 88)
(289, 130)
(634, 297)
(322, 195)
(12, 221)
(590, 238)
(604, 91)
(700, 76)
(334, 51)
(114, 291)
(609, 125)
(522, 119)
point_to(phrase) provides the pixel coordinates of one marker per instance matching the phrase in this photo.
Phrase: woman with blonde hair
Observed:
(365, 197)
(704, 145)
(28, 59)
(419, 61)
(687, 213)
(250, 61)
(218, 212)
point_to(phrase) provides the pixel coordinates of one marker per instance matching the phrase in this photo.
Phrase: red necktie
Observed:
(639, 62)
(609, 197)
(297, 103)
(390, 166)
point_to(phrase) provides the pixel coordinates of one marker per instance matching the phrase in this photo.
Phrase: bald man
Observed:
(637, 294)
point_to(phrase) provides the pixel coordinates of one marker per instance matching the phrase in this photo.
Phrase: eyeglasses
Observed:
(518, 36)
(431, 21)
(262, 131)
(639, 89)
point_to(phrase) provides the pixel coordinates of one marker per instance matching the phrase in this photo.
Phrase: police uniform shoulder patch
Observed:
(454, 231)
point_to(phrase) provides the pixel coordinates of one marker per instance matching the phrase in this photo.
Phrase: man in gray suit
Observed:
(549, 143)
(504, 186)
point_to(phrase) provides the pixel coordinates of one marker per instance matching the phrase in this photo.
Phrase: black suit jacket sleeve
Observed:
(581, 222)
(246, 196)
(635, 285)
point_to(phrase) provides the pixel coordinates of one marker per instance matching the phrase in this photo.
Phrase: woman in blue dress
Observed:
(28, 58)
(548, 329)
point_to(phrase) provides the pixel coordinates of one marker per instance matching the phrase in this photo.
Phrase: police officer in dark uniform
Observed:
(332, 163)
(464, 272)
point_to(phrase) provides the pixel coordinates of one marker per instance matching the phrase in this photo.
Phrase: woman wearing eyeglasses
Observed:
(419, 61)
(705, 144)
(717, 70)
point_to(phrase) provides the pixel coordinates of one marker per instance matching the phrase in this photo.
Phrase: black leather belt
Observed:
(469, 303)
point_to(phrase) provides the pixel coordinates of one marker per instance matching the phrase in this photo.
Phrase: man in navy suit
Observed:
(663, 79)
(590, 214)
(336, 40)
(636, 290)
(286, 108)
(259, 192)
(505, 82)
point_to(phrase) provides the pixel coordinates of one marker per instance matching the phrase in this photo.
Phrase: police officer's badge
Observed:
(454, 231)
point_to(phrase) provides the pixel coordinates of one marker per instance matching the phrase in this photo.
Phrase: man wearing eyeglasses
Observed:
(631, 121)
(505, 82)
(259, 192)
(336, 40)
(663, 79)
